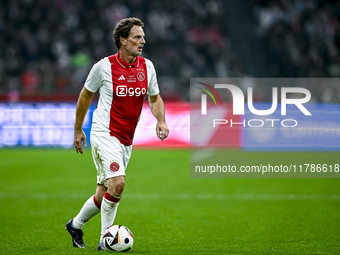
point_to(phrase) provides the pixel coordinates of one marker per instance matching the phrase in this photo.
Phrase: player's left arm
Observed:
(157, 108)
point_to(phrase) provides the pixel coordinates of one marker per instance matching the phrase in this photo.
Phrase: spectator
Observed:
(30, 81)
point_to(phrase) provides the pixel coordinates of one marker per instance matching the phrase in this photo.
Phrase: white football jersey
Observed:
(122, 88)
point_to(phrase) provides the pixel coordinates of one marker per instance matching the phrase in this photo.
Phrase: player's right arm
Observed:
(83, 105)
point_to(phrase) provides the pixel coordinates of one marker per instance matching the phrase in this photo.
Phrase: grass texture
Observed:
(167, 211)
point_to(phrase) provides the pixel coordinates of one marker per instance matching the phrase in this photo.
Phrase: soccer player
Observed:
(123, 81)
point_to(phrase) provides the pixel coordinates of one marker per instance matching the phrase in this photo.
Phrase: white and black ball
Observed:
(118, 238)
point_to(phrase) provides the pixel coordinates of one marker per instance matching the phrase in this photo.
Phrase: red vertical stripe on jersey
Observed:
(129, 87)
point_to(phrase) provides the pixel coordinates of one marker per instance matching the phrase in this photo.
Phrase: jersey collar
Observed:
(125, 64)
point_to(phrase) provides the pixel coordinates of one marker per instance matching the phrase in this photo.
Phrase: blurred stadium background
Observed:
(48, 47)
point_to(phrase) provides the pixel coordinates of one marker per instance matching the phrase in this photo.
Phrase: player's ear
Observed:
(123, 41)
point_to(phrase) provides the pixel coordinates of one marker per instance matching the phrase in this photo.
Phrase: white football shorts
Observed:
(110, 156)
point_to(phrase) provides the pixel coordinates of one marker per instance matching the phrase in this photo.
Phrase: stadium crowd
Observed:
(48, 47)
(302, 37)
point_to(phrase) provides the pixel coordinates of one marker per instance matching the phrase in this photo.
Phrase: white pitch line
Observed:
(210, 196)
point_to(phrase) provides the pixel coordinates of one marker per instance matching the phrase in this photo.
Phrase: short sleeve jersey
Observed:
(122, 88)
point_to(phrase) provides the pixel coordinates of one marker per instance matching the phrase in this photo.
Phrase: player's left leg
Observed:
(110, 202)
(111, 159)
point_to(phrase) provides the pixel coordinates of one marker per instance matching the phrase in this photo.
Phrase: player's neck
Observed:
(124, 55)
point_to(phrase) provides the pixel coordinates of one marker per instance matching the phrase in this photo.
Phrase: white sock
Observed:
(108, 212)
(89, 209)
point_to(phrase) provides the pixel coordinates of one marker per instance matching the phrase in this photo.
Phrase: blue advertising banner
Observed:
(293, 131)
(39, 124)
(52, 124)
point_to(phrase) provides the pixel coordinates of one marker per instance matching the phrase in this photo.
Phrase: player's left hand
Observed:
(162, 130)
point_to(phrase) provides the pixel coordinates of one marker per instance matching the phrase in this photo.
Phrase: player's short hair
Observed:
(123, 29)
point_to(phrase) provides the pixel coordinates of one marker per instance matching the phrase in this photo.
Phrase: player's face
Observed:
(135, 41)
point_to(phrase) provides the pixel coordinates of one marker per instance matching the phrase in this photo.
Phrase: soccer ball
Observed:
(118, 238)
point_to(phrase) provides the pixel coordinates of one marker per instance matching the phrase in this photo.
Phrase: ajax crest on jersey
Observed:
(118, 238)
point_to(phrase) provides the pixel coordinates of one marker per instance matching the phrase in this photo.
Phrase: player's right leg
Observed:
(77, 235)
(75, 225)
(90, 208)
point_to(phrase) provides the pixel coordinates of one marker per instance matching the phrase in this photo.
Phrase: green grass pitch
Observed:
(167, 211)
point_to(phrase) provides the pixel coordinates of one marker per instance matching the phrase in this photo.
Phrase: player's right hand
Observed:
(79, 138)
